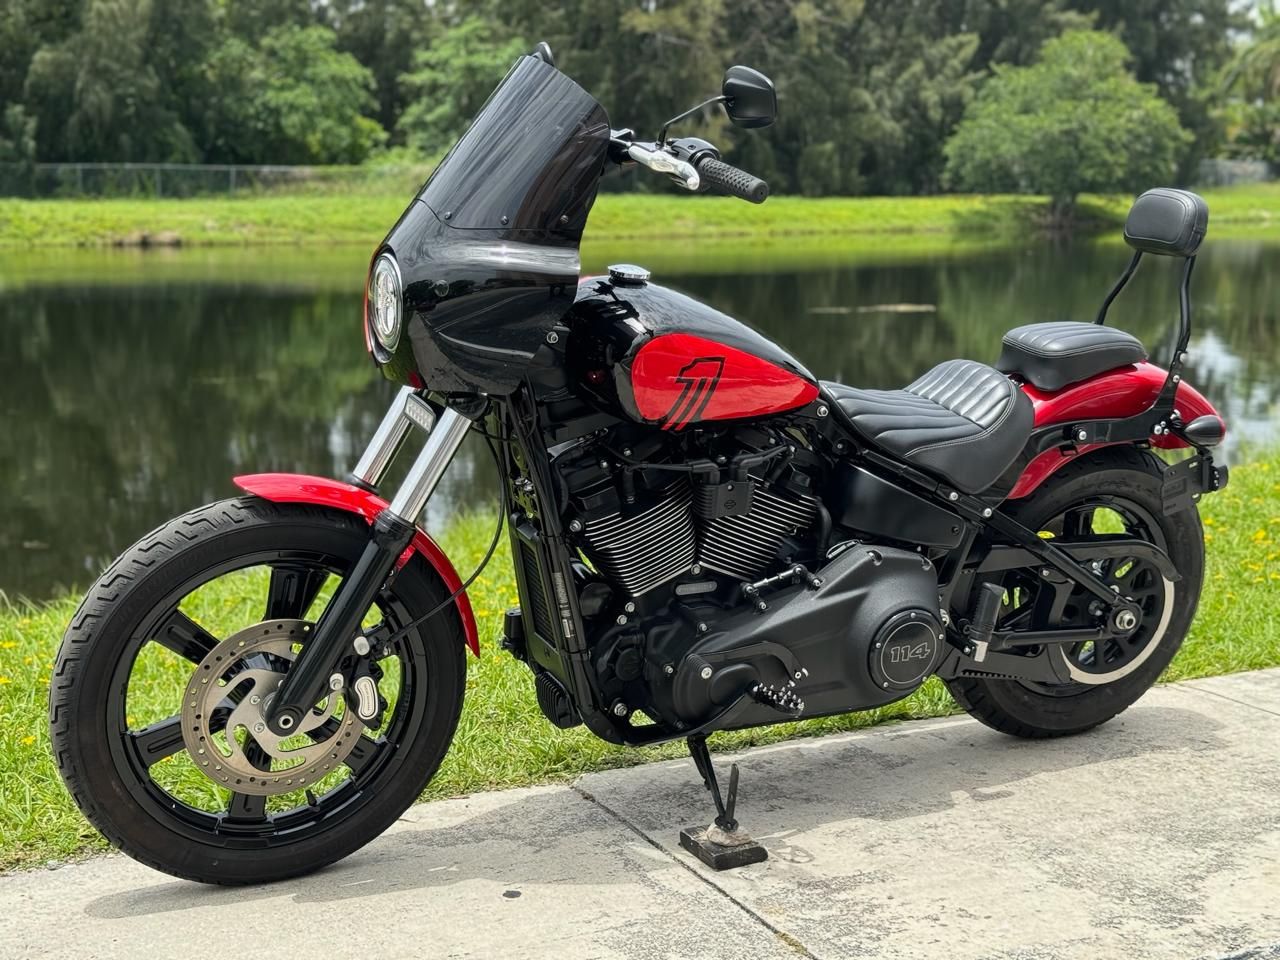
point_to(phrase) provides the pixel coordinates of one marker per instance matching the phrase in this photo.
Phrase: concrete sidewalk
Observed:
(1156, 836)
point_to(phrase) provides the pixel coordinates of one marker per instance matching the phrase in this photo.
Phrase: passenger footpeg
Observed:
(724, 844)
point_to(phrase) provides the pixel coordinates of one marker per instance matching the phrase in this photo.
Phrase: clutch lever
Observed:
(681, 171)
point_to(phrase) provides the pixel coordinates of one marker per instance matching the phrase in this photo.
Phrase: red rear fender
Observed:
(298, 488)
(1123, 392)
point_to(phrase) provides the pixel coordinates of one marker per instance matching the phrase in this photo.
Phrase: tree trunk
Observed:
(1061, 215)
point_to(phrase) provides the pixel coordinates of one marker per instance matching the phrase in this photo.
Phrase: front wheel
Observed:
(1112, 491)
(163, 674)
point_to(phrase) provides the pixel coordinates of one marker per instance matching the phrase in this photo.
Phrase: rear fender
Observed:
(1123, 392)
(299, 488)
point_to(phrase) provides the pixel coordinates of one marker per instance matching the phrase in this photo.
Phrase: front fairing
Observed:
(488, 251)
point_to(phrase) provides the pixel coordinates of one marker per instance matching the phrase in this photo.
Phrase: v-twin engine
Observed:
(690, 527)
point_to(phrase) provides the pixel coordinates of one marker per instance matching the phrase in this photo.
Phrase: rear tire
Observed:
(197, 830)
(1119, 476)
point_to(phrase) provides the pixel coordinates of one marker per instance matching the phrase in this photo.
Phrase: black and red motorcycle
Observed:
(705, 537)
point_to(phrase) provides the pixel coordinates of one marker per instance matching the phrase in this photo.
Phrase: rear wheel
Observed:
(163, 675)
(1117, 490)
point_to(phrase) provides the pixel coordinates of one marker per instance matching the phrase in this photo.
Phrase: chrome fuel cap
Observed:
(628, 275)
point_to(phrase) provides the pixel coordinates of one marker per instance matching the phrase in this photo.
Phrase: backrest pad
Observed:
(1167, 222)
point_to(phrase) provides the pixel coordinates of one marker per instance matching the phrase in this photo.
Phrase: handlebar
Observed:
(691, 163)
(682, 171)
(731, 180)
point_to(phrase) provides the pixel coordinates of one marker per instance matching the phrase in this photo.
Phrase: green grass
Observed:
(503, 740)
(362, 218)
(343, 268)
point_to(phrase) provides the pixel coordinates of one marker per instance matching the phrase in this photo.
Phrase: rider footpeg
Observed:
(783, 699)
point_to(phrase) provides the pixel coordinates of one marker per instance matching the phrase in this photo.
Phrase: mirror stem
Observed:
(662, 137)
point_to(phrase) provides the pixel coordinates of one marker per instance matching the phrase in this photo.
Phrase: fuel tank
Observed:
(660, 357)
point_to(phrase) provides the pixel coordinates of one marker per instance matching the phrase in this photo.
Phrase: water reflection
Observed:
(135, 386)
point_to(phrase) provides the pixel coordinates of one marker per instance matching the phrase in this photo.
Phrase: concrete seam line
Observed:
(789, 939)
(1223, 696)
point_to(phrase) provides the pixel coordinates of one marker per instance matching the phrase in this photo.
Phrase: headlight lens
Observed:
(386, 302)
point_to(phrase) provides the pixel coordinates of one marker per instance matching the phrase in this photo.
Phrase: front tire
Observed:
(117, 707)
(1115, 485)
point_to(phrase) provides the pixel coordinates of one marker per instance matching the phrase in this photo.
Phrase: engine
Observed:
(701, 553)
(654, 513)
(731, 567)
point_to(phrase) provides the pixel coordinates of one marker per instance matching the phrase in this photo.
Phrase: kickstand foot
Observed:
(724, 844)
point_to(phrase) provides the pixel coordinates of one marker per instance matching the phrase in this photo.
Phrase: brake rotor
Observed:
(241, 675)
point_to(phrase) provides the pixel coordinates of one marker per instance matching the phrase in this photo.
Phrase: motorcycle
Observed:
(705, 536)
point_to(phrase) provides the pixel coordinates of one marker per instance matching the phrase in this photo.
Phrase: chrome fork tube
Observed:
(429, 466)
(406, 411)
(315, 673)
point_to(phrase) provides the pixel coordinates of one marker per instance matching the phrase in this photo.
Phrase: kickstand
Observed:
(723, 845)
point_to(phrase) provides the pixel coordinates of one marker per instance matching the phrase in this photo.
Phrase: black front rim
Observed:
(296, 579)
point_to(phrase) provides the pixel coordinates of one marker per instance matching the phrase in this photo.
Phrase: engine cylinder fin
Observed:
(743, 546)
(642, 550)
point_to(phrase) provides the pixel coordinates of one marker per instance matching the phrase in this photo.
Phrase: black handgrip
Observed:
(731, 180)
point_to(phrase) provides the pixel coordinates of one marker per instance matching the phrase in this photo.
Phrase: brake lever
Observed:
(681, 171)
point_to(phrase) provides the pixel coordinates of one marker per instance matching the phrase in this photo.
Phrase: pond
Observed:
(134, 385)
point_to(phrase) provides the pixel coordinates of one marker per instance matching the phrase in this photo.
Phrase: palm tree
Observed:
(1251, 87)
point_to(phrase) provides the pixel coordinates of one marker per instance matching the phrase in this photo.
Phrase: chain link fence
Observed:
(190, 180)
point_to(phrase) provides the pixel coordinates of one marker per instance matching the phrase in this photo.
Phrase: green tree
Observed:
(1075, 121)
(294, 98)
(452, 79)
(181, 34)
(1251, 84)
(17, 150)
(384, 35)
(252, 20)
(25, 26)
(1180, 46)
(96, 95)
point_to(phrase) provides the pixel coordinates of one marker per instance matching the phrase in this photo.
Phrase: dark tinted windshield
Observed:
(531, 159)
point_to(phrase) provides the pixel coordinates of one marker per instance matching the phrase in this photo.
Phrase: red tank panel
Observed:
(679, 379)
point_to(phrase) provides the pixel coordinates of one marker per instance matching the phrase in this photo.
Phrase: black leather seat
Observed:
(1055, 355)
(962, 421)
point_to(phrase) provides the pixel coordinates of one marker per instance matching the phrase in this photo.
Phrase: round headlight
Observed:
(386, 301)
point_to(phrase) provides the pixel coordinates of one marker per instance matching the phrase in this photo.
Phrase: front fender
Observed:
(320, 491)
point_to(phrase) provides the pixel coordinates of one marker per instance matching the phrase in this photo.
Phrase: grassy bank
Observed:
(323, 219)
(1238, 628)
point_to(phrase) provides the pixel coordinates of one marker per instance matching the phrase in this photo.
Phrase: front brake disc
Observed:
(223, 712)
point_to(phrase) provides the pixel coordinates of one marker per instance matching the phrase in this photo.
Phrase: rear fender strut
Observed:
(300, 488)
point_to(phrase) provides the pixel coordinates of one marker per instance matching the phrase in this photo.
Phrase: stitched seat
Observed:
(963, 421)
(1055, 355)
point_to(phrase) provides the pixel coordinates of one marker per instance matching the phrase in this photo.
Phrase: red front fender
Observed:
(1124, 392)
(299, 488)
